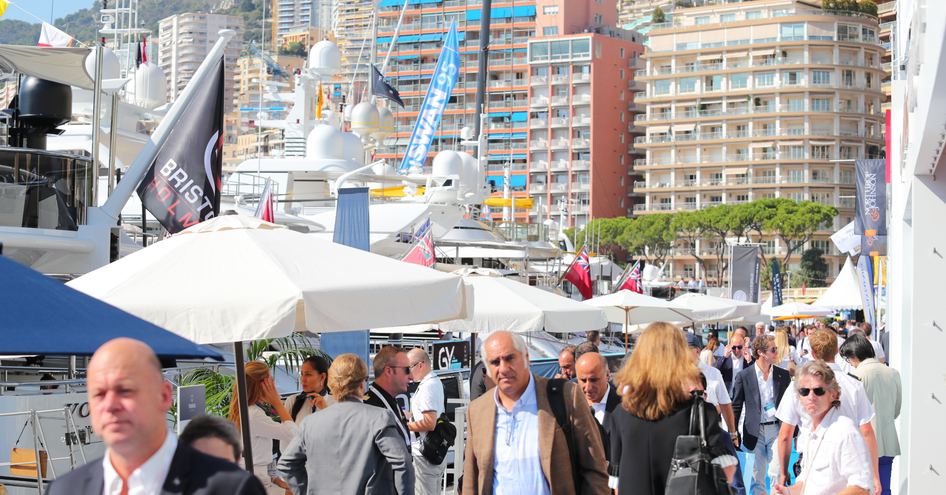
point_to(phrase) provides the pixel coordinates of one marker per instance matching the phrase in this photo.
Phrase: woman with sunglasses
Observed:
(835, 458)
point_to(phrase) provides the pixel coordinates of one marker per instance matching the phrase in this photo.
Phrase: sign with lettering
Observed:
(451, 354)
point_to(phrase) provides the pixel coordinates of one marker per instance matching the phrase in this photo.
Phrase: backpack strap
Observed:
(556, 394)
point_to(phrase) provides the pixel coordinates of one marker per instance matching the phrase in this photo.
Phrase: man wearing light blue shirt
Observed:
(513, 448)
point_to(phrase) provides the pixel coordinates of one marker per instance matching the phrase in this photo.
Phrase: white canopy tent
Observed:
(629, 307)
(797, 310)
(845, 292)
(711, 309)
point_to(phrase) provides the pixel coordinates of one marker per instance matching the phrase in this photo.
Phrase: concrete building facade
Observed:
(764, 99)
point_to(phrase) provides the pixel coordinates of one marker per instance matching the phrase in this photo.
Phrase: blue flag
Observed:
(438, 94)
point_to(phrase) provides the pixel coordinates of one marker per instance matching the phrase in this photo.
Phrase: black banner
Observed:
(383, 89)
(182, 187)
(776, 284)
(451, 354)
(744, 274)
(871, 206)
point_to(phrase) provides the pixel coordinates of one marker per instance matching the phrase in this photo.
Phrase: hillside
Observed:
(83, 24)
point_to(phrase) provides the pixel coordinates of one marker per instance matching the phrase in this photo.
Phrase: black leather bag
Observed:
(439, 441)
(692, 471)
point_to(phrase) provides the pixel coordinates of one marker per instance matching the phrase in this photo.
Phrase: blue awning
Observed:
(399, 3)
(495, 157)
(520, 116)
(502, 12)
(514, 180)
(506, 135)
(500, 114)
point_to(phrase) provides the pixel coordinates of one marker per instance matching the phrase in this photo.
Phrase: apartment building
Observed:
(185, 39)
(633, 12)
(887, 12)
(295, 16)
(581, 114)
(763, 99)
(353, 30)
(413, 60)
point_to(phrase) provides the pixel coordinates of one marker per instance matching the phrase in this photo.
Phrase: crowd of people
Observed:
(822, 391)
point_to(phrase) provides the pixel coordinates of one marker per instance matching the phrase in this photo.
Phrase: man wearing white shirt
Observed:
(879, 353)
(427, 405)
(594, 378)
(854, 404)
(734, 359)
(128, 401)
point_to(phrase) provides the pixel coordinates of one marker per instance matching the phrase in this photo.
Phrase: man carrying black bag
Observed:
(427, 404)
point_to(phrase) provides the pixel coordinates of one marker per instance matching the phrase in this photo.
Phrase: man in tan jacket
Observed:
(514, 443)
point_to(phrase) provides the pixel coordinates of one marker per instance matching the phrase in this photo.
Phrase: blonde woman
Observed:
(261, 389)
(657, 382)
(786, 357)
(708, 354)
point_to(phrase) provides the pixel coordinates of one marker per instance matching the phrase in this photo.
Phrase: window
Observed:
(598, 19)
(868, 35)
(739, 81)
(550, 31)
(821, 77)
(821, 104)
(701, 20)
(538, 51)
(791, 78)
(796, 196)
(688, 85)
(713, 83)
(621, 73)
(821, 152)
(792, 32)
(742, 198)
(689, 271)
(581, 48)
(559, 50)
(765, 79)
(755, 14)
(550, 9)
(621, 52)
(847, 78)
(847, 32)
(727, 18)
(661, 87)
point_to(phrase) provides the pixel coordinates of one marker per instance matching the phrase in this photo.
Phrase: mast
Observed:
(485, 16)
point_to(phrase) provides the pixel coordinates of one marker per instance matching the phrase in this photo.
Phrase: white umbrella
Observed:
(845, 292)
(506, 304)
(625, 306)
(709, 308)
(237, 278)
(797, 310)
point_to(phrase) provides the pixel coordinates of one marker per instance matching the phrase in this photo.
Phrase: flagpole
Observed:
(562, 276)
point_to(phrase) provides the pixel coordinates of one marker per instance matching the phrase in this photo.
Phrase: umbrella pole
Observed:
(244, 408)
(627, 314)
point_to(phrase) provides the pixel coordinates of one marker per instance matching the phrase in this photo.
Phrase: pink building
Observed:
(581, 115)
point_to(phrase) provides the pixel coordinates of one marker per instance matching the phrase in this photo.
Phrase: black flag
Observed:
(182, 187)
(383, 89)
(138, 55)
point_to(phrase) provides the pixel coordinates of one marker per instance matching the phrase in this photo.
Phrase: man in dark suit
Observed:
(594, 378)
(392, 375)
(759, 389)
(734, 359)
(129, 400)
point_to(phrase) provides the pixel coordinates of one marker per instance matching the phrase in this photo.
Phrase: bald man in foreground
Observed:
(129, 400)
(594, 378)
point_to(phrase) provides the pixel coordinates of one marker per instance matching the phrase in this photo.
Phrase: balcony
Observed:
(581, 143)
(539, 166)
(558, 144)
(539, 101)
(560, 79)
(538, 144)
(538, 80)
(690, 205)
(537, 188)
(581, 164)
(559, 101)
(558, 122)
(560, 165)
(559, 187)
(581, 77)
(537, 123)
(581, 99)
(640, 184)
(581, 121)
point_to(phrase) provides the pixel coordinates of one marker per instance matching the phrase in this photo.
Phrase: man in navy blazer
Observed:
(594, 377)
(735, 358)
(129, 400)
(758, 389)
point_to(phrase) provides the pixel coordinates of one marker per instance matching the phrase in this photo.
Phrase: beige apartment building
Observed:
(764, 99)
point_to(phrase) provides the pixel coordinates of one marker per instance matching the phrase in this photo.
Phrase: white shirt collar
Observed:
(526, 399)
(604, 398)
(149, 477)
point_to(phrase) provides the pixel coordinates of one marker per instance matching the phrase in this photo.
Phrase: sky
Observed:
(42, 8)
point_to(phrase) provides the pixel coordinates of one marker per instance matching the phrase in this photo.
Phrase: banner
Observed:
(744, 273)
(871, 206)
(380, 87)
(865, 281)
(776, 283)
(438, 94)
(847, 240)
(182, 187)
(451, 354)
(423, 251)
(264, 207)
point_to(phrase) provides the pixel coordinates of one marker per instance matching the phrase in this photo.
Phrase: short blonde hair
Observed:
(345, 376)
(824, 344)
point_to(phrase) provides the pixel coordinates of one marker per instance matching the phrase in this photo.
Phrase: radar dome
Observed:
(111, 69)
(352, 147)
(324, 58)
(150, 86)
(364, 117)
(447, 162)
(325, 141)
(383, 168)
(385, 123)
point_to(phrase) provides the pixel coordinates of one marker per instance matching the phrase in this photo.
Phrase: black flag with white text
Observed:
(383, 89)
(182, 187)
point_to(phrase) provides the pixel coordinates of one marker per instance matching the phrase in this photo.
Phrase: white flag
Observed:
(53, 36)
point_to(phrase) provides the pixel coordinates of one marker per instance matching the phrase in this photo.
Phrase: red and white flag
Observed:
(579, 273)
(264, 209)
(423, 251)
(51, 36)
(633, 280)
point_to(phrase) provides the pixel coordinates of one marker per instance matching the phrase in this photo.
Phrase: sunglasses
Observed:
(405, 369)
(773, 350)
(819, 391)
(737, 347)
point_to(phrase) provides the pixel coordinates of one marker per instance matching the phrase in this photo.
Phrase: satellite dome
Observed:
(150, 88)
(364, 117)
(385, 123)
(447, 162)
(352, 147)
(325, 141)
(111, 69)
(324, 58)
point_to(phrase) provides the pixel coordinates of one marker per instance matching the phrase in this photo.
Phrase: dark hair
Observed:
(585, 348)
(205, 426)
(857, 346)
(321, 365)
(592, 335)
(760, 344)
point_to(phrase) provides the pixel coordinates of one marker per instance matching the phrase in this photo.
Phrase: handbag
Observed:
(692, 471)
(438, 441)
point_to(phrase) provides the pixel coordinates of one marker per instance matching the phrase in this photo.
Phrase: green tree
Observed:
(294, 48)
(813, 269)
(867, 7)
(690, 227)
(795, 223)
(603, 234)
(649, 236)
(658, 16)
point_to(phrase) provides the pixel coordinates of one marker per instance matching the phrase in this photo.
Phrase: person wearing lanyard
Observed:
(392, 375)
(836, 461)
(759, 389)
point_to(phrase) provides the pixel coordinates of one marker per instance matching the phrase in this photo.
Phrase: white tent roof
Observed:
(61, 65)
(708, 308)
(844, 293)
